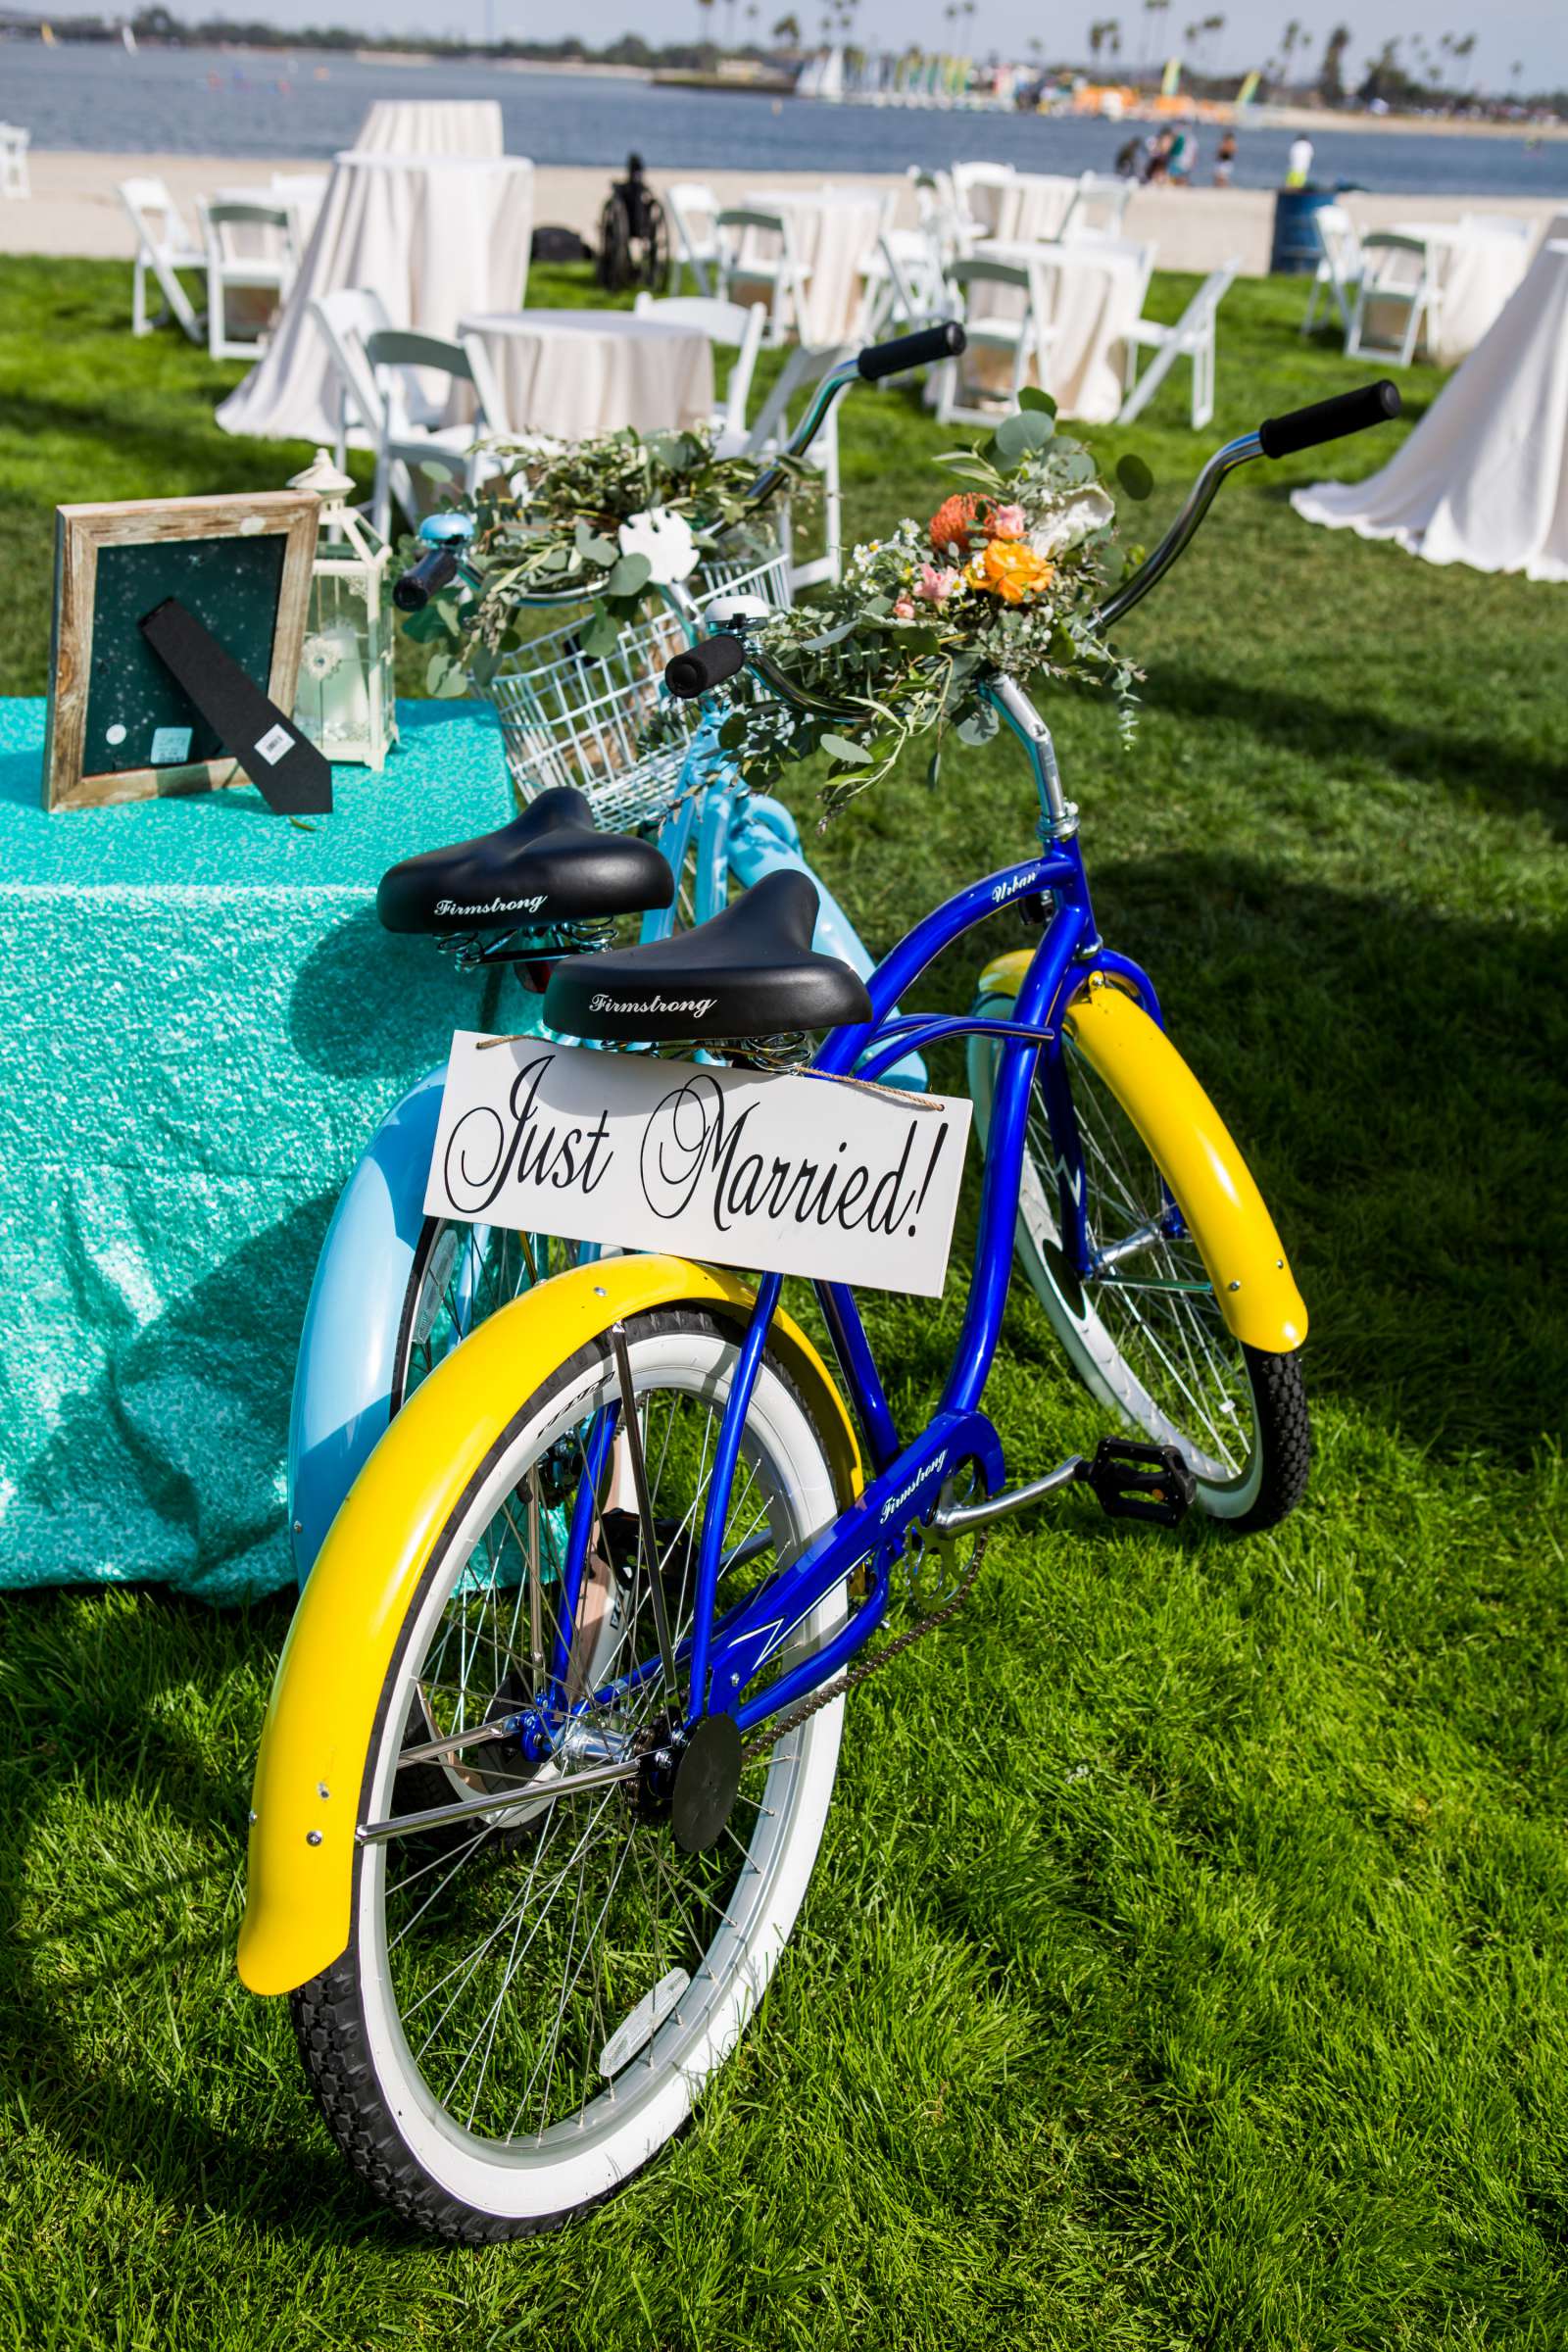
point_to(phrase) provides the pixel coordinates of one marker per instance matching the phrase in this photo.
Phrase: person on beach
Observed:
(1183, 158)
(1225, 160)
(1300, 161)
(1130, 159)
(1156, 157)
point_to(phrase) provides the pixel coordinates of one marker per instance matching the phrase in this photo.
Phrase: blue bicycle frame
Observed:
(725, 1652)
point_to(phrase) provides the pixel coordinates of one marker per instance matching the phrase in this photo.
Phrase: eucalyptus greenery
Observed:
(548, 525)
(1003, 581)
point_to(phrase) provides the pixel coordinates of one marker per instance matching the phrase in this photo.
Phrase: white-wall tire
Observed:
(414, 2150)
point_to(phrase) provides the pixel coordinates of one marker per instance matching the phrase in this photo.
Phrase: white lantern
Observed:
(345, 701)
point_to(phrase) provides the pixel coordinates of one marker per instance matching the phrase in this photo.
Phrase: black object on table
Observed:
(291, 776)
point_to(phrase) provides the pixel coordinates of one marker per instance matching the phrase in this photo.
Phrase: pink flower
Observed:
(904, 610)
(935, 585)
(1006, 522)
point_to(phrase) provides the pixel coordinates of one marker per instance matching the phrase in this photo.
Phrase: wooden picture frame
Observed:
(245, 558)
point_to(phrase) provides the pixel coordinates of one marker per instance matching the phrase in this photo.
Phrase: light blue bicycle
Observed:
(394, 1289)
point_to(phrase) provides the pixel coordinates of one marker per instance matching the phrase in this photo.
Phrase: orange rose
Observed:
(952, 522)
(1009, 568)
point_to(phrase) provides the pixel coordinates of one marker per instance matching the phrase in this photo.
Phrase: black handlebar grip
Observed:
(1330, 419)
(415, 589)
(932, 343)
(704, 666)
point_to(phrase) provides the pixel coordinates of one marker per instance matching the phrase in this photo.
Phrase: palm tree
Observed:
(1288, 41)
(1331, 75)
(787, 32)
(704, 21)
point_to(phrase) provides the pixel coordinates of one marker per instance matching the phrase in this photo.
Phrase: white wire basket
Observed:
(568, 718)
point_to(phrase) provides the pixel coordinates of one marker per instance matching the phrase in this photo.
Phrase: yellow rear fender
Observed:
(320, 1719)
(1210, 1182)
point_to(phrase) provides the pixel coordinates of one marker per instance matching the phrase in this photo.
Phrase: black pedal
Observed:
(1134, 1480)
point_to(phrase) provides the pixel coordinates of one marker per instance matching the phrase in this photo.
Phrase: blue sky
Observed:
(1534, 31)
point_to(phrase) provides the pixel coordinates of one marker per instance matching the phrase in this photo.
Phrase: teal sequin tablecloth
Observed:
(201, 1022)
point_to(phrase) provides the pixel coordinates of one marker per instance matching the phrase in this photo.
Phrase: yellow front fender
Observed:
(1210, 1182)
(322, 1714)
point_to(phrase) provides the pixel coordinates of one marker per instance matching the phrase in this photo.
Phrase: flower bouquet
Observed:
(606, 522)
(1004, 581)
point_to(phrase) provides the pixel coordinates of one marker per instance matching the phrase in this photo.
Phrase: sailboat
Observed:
(822, 77)
(127, 41)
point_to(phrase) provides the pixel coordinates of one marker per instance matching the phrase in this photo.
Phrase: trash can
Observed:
(1296, 250)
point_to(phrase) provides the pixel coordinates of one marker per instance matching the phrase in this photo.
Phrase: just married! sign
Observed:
(788, 1174)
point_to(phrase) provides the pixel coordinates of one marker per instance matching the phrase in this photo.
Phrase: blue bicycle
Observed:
(395, 1290)
(550, 1753)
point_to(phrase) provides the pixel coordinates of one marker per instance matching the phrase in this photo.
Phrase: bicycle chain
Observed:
(803, 1710)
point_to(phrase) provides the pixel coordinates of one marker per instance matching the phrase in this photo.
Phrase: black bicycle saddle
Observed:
(749, 971)
(550, 865)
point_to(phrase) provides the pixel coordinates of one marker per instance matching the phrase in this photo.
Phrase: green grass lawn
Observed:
(1187, 1965)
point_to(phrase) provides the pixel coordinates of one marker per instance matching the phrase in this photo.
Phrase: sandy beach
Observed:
(73, 208)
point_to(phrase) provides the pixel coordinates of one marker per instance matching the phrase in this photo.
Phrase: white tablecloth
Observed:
(434, 236)
(1095, 293)
(1483, 478)
(433, 127)
(1029, 209)
(832, 231)
(1476, 271)
(574, 373)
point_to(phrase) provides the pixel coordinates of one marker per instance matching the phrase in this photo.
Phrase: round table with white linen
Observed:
(1476, 267)
(1095, 293)
(1483, 478)
(434, 236)
(433, 127)
(573, 373)
(833, 230)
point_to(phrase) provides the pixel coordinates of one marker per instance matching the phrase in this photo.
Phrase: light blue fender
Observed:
(348, 1349)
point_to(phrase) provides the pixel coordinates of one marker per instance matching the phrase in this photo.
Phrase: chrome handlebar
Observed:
(1200, 498)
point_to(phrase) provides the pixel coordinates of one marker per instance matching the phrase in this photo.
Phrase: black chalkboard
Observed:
(138, 715)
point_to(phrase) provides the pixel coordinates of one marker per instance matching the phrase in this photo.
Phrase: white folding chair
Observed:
(742, 263)
(1338, 272)
(1193, 337)
(413, 435)
(693, 208)
(965, 181)
(803, 369)
(304, 192)
(1097, 205)
(902, 283)
(1022, 336)
(728, 326)
(14, 180)
(1397, 281)
(256, 274)
(347, 319)
(165, 245)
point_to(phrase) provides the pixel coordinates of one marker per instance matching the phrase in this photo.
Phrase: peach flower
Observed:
(1006, 522)
(904, 610)
(1008, 569)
